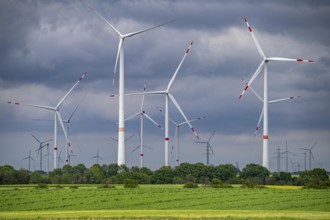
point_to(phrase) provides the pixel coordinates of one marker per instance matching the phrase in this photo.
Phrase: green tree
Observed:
(22, 176)
(113, 169)
(255, 172)
(164, 175)
(97, 171)
(79, 169)
(67, 169)
(36, 177)
(7, 175)
(316, 178)
(225, 172)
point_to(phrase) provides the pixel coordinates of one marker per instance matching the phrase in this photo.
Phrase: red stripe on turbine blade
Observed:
(257, 128)
(246, 87)
(240, 97)
(291, 97)
(141, 155)
(167, 139)
(55, 148)
(83, 75)
(311, 61)
(265, 137)
(16, 103)
(250, 29)
(245, 19)
(300, 60)
(193, 130)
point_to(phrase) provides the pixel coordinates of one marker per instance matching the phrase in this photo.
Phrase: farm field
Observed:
(163, 201)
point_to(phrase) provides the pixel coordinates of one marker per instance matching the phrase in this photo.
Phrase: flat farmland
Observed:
(163, 201)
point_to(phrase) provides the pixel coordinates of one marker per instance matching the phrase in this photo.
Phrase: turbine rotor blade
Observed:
(31, 105)
(259, 121)
(289, 59)
(254, 76)
(120, 44)
(182, 113)
(255, 40)
(284, 99)
(36, 138)
(179, 66)
(153, 121)
(130, 117)
(66, 95)
(145, 30)
(314, 145)
(64, 131)
(254, 92)
(103, 18)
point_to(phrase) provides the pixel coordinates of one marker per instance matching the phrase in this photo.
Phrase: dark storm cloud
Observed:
(47, 45)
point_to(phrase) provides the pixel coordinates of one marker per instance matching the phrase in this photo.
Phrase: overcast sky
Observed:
(45, 46)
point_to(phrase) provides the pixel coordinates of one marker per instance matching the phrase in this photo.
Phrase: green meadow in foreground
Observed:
(164, 201)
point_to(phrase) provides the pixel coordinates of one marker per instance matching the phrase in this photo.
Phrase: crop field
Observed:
(163, 201)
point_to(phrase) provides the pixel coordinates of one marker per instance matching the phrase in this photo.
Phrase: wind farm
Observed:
(192, 55)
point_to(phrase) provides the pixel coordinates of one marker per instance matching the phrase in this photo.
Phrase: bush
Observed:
(318, 184)
(130, 183)
(58, 186)
(105, 186)
(190, 185)
(216, 183)
(250, 184)
(42, 186)
(73, 187)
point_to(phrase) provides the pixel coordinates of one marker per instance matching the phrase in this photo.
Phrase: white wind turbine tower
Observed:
(120, 56)
(263, 65)
(176, 138)
(29, 158)
(47, 154)
(208, 148)
(68, 130)
(42, 144)
(309, 150)
(142, 113)
(168, 96)
(269, 102)
(97, 157)
(57, 117)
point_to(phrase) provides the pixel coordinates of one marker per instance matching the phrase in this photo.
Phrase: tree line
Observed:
(194, 173)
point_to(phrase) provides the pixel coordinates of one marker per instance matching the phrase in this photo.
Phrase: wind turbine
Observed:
(57, 116)
(59, 159)
(263, 65)
(41, 145)
(269, 102)
(177, 134)
(120, 56)
(305, 155)
(208, 148)
(48, 154)
(168, 96)
(69, 130)
(30, 158)
(309, 150)
(97, 157)
(142, 113)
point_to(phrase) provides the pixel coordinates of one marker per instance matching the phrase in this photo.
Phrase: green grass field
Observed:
(163, 201)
